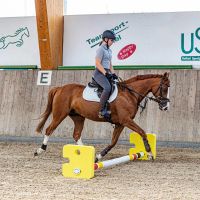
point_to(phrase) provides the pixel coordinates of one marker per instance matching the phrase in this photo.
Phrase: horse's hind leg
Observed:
(116, 133)
(78, 127)
(57, 119)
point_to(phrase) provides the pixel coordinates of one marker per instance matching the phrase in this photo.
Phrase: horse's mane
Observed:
(142, 77)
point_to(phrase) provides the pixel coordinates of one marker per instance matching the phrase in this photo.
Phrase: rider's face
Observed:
(110, 42)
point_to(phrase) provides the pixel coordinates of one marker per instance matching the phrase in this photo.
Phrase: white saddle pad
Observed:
(90, 94)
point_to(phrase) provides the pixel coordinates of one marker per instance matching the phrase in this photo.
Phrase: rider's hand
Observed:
(115, 76)
(109, 76)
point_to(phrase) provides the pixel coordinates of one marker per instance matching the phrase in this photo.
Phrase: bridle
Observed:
(162, 101)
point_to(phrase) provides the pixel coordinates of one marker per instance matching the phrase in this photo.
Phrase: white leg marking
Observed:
(46, 138)
(40, 150)
(98, 156)
(79, 142)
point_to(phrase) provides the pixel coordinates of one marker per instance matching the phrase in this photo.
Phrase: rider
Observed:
(104, 71)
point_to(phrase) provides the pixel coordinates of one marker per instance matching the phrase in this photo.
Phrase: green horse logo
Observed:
(17, 38)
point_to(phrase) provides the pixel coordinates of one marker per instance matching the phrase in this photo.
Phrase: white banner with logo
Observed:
(19, 41)
(142, 39)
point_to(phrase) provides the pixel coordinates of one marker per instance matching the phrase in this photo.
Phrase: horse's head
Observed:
(26, 32)
(161, 92)
(22, 31)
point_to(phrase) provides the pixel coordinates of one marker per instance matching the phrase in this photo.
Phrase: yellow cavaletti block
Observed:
(81, 161)
(136, 139)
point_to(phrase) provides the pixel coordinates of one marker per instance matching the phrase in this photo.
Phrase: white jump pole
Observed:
(110, 163)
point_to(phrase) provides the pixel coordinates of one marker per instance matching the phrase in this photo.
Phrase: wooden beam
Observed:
(50, 22)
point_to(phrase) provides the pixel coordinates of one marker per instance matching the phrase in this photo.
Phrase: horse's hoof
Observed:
(98, 158)
(39, 151)
(150, 156)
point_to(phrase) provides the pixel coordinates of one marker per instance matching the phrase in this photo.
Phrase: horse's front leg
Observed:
(133, 126)
(78, 127)
(116, 133)
(19, 43)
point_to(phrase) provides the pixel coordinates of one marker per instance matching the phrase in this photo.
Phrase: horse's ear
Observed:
(166, 75)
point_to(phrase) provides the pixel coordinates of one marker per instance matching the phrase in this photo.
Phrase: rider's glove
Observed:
(115, 76)
(109, 76)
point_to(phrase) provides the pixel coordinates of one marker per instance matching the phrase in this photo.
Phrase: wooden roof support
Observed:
(50, 22)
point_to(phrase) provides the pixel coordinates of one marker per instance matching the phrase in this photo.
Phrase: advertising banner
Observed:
(142, 39)
(19, 41)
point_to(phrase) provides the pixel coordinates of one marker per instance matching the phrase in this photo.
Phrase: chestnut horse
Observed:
(68, 101)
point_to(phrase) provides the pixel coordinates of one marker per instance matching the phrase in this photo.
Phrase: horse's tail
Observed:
(48, 110)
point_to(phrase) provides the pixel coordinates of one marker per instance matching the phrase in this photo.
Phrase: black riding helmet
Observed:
(108, 34)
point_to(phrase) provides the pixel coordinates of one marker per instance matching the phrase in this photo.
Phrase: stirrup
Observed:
(105, 114)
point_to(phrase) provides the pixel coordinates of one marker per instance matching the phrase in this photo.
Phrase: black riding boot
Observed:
(105, 113)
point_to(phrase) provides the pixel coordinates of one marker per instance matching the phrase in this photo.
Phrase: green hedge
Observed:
(128, 67)
(123, 67)
(17, 67)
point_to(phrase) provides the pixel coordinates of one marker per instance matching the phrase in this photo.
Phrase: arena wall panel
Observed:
(22, 102)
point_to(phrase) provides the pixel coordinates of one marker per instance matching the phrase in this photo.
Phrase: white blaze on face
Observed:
(167, 106)
(168, 98)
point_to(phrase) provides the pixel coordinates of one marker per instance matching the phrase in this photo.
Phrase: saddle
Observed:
(93, 91)
(99, 89)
